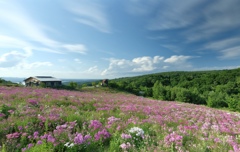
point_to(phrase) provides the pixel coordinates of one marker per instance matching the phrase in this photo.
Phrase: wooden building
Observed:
(47, 81)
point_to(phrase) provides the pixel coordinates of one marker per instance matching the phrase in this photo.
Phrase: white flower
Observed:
(66, 144)
(69, 145)
(137, 130)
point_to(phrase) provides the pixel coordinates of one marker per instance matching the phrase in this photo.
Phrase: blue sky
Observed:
(117, 38)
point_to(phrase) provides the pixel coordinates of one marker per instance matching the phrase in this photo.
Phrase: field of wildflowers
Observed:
(38, 119)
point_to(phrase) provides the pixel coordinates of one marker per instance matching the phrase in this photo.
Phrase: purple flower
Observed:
(80, 139)
(126, 136)
(50, 138)
(112, 119)
(102, 134)
(20, 128)
(33, 102)
(125, 146)
(2, 115)
(45, 136)
(13, 135)
(11, 111)
(30, 145)
(173, 138)
(39, 142)
(95, 124)
(24, 149)
(35, 135)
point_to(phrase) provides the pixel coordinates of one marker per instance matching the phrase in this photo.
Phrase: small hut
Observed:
(48, 81)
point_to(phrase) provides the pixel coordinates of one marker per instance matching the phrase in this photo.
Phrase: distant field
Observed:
(37, 119)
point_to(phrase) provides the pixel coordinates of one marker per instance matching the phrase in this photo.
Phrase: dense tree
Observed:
(219, 88)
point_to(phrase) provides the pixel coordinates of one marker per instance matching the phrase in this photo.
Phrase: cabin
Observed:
(47, 81)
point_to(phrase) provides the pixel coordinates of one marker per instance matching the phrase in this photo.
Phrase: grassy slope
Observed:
(46, 119)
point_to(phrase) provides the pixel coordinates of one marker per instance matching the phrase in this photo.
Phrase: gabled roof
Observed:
(44, 78)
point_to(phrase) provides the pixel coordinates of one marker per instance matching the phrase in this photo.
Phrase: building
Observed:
(47, 81)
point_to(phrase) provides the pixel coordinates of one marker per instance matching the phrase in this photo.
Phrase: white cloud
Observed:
(177, 59)
(146, 64)
(11, 59)
(219, 17)
(93, 69)
(228, 48)
(223, 44)
(78, 48)
(7, 41)
(34, 65)
(18, 59)
(89, 13)
(77, 61)
(171, 15)
(29, 33)
(230, 53)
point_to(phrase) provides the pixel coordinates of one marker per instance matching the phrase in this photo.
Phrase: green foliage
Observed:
(73, 85)
(6, 110)
(234, 102)
(199, 87)
(217, 99)
(7, 83)
(43, 85)
(159, 91)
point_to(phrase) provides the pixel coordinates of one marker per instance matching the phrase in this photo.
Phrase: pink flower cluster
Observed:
(173, 138)
(13, 135)
(95, 124)
(126, 136)
(80, 139)
(125, 146)
(103, 134)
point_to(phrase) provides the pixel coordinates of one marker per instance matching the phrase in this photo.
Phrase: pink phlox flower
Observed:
(112, 119)
(33, 102)
(102, 134)
(45, 136)
(35, 135)
(173, 138)
(2, 115)
(20, 128)
(11, 111)
(39, 142)
(95, 124)
(51, 139)
(80, 139)
(126, 136)
(30, 145)
(125, 146)
(13, 135)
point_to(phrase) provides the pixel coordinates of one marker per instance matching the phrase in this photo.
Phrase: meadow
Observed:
(43, 119)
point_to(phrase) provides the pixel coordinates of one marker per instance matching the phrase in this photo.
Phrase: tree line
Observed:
(217, 88)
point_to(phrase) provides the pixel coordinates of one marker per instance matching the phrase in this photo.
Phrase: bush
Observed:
(234, 102)
(217, 99)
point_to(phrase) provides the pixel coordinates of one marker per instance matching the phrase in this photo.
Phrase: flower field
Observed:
(37, 119)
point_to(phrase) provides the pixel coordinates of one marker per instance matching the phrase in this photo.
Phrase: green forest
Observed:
(217, 89)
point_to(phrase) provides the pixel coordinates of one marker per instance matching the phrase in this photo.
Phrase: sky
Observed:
(94, 39)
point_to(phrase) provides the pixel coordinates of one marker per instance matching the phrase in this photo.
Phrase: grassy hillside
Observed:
(7, 83)
(218, 88)
(40, 119)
